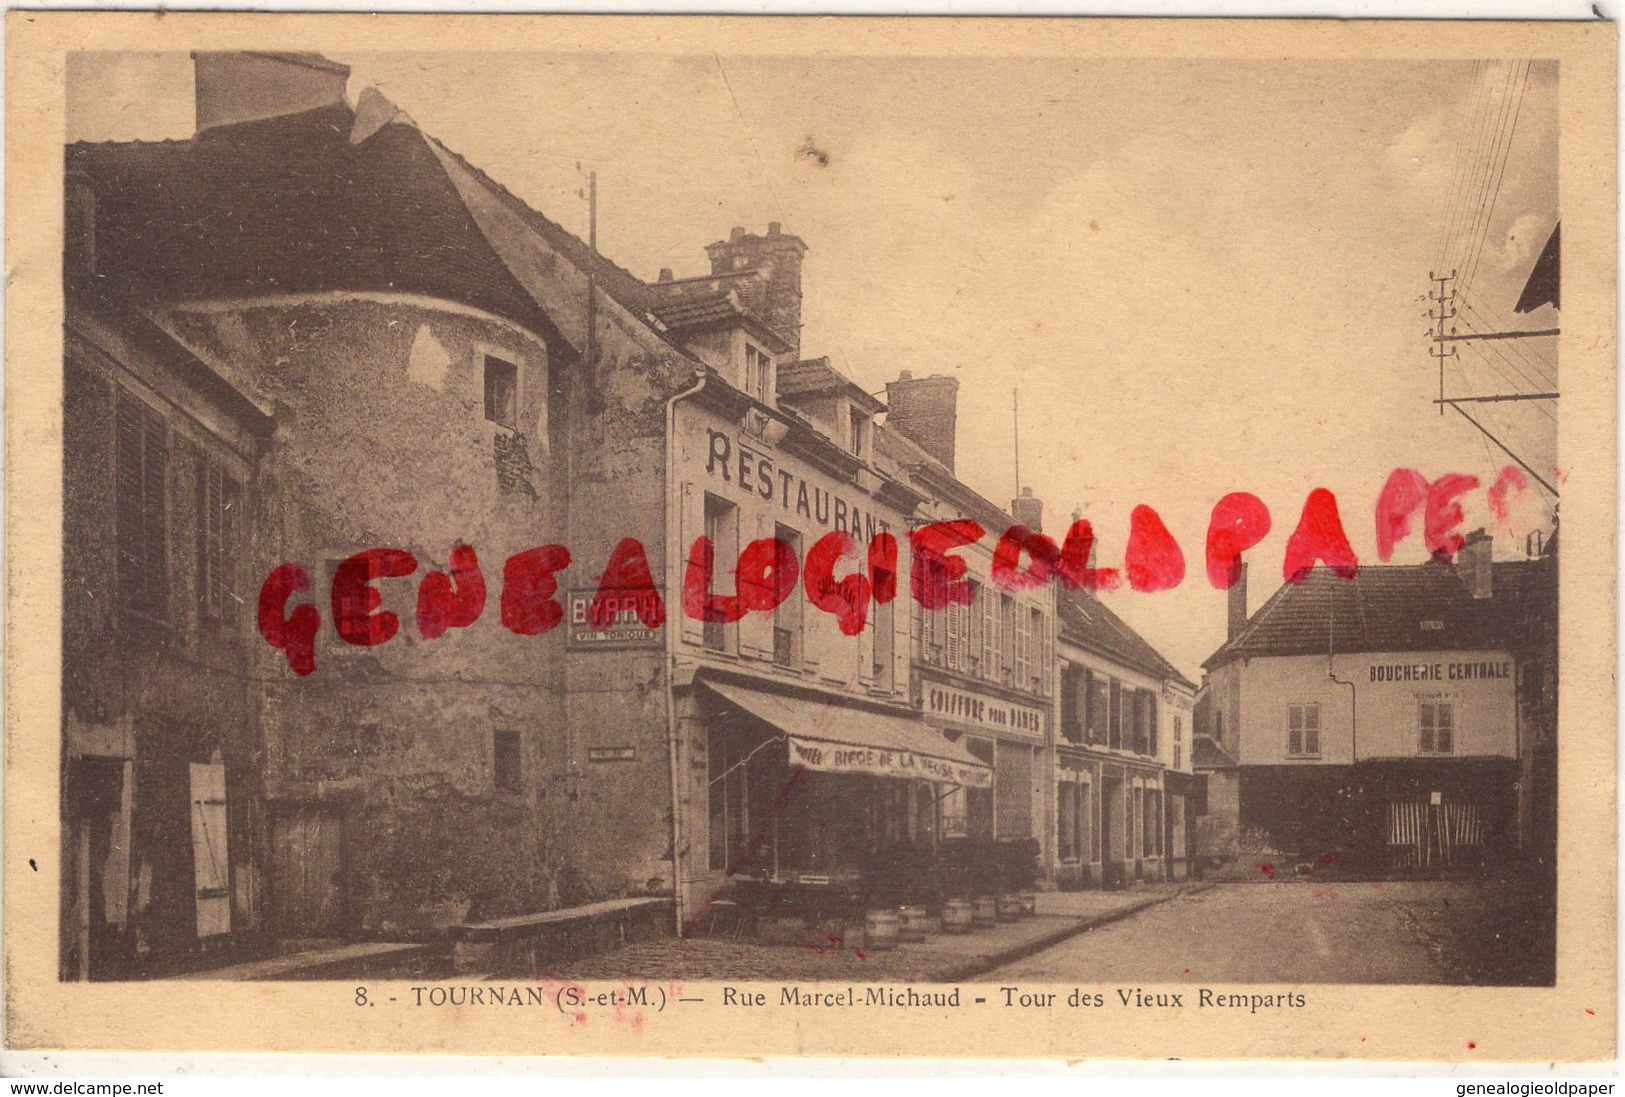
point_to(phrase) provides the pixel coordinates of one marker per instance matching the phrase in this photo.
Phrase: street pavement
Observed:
(1295, 932)
(940, 958)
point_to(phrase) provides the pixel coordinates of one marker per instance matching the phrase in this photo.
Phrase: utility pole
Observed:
(1442, 314)
(1015, 415)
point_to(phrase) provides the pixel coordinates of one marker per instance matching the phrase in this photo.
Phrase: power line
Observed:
(1480, 223)
(1506, 152)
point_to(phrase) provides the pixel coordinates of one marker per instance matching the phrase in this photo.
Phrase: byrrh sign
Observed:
(960, 706)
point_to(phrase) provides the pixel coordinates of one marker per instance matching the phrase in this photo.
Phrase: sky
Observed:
(1194, 276)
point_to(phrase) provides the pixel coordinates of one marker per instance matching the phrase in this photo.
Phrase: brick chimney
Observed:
(241, 86)
(776, 256)
(1473, 564)
(925, 411)
(1237, 605)
(1028, 510)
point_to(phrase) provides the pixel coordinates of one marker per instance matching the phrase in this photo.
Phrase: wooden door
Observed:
(309, 888)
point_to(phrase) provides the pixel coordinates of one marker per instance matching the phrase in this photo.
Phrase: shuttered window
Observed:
(141, 498)
(1007, 640)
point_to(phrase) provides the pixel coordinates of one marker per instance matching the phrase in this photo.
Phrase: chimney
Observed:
(240, 86)
(1473, 564)
(665, 274)
(1238, 605)
(1028, 511)
(925, 410)
(777, 259)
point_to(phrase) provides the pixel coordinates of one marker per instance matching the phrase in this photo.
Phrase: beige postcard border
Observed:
(1576, 1020)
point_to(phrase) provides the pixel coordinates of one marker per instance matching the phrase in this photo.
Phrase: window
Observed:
(1074, 696)
(979, 801)
(1179, 729)
(1303, 731)
(884, 622)
(1097, 707)
(1176, 755)
(1066, 795)
(141, 498)
(1043, 672)
(1438, 721)
(787, 621)
(959, 631)
(758, 373)
(721, 528)
(856, 424)
(507, 768)
(933, 628)
(502, 392)
(219, 508)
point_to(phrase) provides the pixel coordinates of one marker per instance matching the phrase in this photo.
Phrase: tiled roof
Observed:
(814, 375)
(1085, 621)
(694, 312)
(1422, 607)
(1208, 754)
(290, 205)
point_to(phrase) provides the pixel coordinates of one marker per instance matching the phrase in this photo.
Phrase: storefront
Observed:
(817, 805)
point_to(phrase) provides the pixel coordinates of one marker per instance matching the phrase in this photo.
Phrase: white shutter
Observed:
(756, 627)
(690, 524)
(210, 858)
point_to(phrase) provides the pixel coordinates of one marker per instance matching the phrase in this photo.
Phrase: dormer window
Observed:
(758, 373)
(857, 431)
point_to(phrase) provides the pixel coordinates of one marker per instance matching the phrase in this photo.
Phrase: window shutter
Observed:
(1311, 729)
(1294, 729)
(691, 523)
(1151, 719)
(756, 627)
(1444, 737)
(211, 862)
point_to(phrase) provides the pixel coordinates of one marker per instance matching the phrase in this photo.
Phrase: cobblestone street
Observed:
(940, 958)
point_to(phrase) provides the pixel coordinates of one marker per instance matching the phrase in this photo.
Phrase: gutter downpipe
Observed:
(673, 577)
(1354, 712)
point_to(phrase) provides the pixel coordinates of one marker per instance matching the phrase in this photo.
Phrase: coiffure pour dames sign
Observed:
(768, 570)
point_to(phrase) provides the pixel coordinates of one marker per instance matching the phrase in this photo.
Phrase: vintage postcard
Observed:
(720, 536)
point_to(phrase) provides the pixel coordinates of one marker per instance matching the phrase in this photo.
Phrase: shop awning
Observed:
(834, 738)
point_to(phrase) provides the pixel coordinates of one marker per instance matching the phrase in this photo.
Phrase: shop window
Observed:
(722, 530)
(1303, 731)
(979, 801)
(507, 768)
(501, 392)
(219, 508)
(728, 799)
(1438, 726)
(141, 509)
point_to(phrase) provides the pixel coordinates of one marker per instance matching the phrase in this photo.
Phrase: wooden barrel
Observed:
(956, 916)
(984, 910)
(916, 923)
(881, 929)
(1009, 908)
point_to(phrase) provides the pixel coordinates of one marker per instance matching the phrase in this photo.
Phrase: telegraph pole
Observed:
(1442, 312)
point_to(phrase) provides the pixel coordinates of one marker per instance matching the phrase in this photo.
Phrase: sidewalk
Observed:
(940, 958)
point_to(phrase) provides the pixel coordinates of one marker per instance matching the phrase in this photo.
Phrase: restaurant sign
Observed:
(984, 713)
(828, 757)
